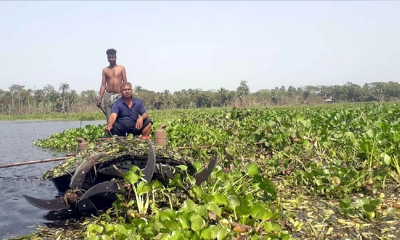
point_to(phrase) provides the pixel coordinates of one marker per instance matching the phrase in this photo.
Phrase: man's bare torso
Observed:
(114, 78)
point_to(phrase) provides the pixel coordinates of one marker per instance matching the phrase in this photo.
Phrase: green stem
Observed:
(397, 180)
(215, 185)
(370, 160)
(169, 199)
(396, 165)
(355, 181)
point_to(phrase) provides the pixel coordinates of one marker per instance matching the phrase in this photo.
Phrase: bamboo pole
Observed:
(32, 162)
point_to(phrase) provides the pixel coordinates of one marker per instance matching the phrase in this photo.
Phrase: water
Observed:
(17, 216)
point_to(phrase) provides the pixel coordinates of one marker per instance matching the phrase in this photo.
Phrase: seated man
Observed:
(128, 115)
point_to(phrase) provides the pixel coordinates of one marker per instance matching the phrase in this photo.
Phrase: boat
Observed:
(91, 179)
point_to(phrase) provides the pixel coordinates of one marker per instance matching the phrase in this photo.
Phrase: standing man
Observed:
(112, 77)
(128, 115)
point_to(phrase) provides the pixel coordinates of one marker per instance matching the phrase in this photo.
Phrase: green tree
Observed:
(64, 87)
(16, 95)
(243, 92)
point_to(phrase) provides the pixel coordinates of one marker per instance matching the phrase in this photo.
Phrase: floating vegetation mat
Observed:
(326, 172)
(315, 217)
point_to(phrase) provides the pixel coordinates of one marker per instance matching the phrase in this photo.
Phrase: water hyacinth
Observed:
(320, 172)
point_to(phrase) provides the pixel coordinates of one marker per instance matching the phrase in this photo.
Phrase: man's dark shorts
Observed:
(121, 129)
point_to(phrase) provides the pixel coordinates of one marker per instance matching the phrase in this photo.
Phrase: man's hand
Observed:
(139, 123)
(108, 128)
(98, 103)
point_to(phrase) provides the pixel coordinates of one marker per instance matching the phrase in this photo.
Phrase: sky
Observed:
(206, 45)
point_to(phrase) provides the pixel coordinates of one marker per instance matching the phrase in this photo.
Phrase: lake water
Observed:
(17, 216)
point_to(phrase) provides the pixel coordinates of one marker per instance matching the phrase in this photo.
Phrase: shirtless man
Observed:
(112, 78)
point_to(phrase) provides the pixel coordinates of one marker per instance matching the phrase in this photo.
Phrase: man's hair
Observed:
(111, 51)
(125, 84)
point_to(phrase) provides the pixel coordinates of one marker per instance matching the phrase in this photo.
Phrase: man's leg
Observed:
(146, 129)
(106, 105)
(118, 130)
(109, 99)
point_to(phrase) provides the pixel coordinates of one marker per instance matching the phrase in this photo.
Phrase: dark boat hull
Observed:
(107, 172)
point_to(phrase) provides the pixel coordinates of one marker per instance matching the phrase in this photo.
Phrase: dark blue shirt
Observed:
(126, 115)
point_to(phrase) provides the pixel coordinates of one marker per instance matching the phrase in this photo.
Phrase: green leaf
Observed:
(257, 211)
(345, 203)
(350, 135)
(366, 146)
(201, 210)
(208, 198)
(371, 133)
(129, 137)
(212, 207)
(109, 227)
(176, 234)
(228, 186)
(220, 199)
(374, 202)
(268, 214)
(131, 177)
(207, 233)
(234, 201)
(243, 210)
(221, 175)
(171, 224)
(230, 151)
(96, 228)
(369, 207)
(183, 167)
(268, 186)
(396, 136)
(189, 205)
(252, 169)
(143, 187)
(167, 214)
(184, 221)
(222, 233)
(386, 159)
(197, 222)
(158, 226)
(156, 184)
(272, 226)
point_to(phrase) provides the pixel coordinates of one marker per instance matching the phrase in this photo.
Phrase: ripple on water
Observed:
(17, 216)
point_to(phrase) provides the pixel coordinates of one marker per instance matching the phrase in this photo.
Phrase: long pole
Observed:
(33, 162)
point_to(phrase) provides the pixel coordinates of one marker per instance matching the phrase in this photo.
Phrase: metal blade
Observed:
(53, 204)
(150, 167)
(80, 174)
(86, 204)
(203, 175)
(103, 187)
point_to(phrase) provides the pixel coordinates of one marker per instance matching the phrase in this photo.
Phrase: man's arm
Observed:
(124, 75)
(111, 121)
(143, 115)
(139, 122)
(102, 88)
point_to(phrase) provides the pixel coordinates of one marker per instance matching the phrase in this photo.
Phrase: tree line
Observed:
(18, 100)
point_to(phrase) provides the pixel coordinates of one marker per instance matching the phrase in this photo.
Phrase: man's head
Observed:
(126, 89)
(112, 56)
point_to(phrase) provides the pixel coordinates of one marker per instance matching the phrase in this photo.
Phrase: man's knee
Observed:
(148, 126)
(147, 129)
(146, 122)
(118, 130)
